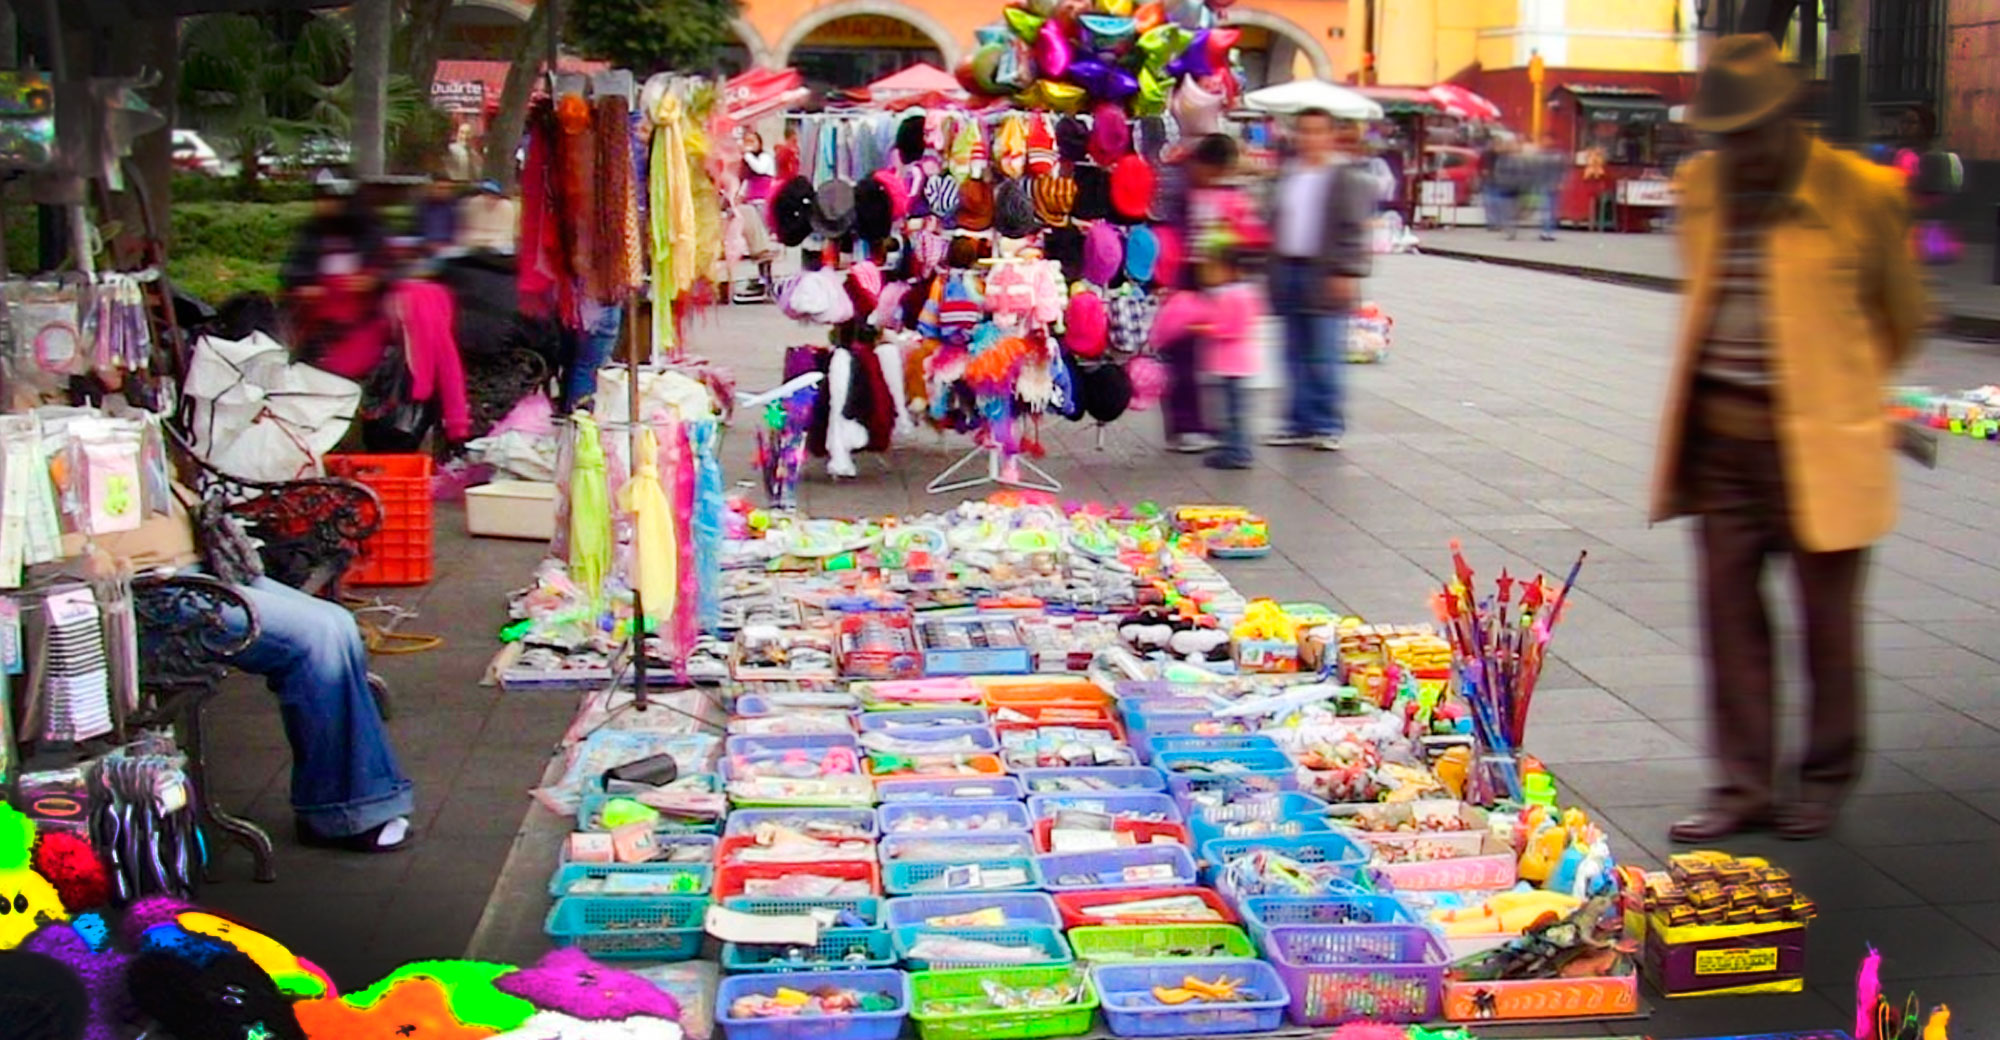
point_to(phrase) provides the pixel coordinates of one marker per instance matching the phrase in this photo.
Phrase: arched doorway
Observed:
(855, 42)
(1275, 49)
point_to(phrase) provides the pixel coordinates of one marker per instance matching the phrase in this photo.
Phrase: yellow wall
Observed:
(1424, 41)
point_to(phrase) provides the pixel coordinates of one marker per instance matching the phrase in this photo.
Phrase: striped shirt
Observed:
(1738, 349)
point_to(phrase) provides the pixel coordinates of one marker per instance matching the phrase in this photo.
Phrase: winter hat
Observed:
(1072, 139)
(1167, 268)
(1106, 391)
(792, 211)
(1142, 254)
(1131, 189)
(960, 309)
(927, 249)
(1055, 196)
(1132, 311)
(1110, 134)
(965, 250)
(1041, 149)
(833, 208)
(1086, 327)
(897, 187)
(910, 139)
(1149, 382)
(942, 195)
(874, 214)
(1093, 193)
(864, 286)
(1103, 252)
(818, 297)
(975, 206)
(1064, 245)
(1014, 209)
(1010, 147)
(1152, 137)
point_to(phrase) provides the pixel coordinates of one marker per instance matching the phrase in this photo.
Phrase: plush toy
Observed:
(30, 900)
(471, 988)
(551, 1025)
(413, 1008)
(40, 999)
(70, 864)
(102, 973)
(570, 982)
(227, 998)
(290, 974)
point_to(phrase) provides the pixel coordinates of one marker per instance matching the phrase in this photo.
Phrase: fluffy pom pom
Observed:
(72, 866)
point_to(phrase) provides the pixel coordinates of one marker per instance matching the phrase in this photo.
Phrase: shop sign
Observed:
(869, 30)
(1646, 191)
(1641, 114)
(459, 95)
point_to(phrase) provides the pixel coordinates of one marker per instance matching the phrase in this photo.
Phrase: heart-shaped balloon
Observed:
(1162, 45)
(1062, 97)
(1121, 8)
(1220, 43)
(1108, 32)
(988, 35)
(1149, 17)
(1193, 61)
(1025, 24)
(1052, 51)
(1119, 85)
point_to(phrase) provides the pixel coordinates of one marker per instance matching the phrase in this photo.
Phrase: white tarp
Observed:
(257, 415)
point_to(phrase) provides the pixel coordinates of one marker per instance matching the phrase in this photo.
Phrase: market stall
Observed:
(1625, 151)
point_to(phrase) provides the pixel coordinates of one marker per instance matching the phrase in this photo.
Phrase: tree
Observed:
(649, 36)
(421, 39)
(251, 88)
(503, 133)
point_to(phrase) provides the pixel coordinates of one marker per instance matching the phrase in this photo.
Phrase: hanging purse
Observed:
(388, 401)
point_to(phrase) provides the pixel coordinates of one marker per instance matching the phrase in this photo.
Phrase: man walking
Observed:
(1801, 297)
(1320, 218)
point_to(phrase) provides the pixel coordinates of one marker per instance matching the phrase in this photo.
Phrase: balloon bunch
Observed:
(1069, 55)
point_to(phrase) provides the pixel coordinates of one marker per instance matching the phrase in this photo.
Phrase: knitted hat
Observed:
(897, 187)
(874, 214)
(1014, 209)
(1072, 139)
(1055, 196)
(965, 250)
(1041, 148)
(1167, 269)
(1132, 310)
(910, 139)
(1149, 382)
(1093, 193)
(1086, 326)
(792, 211)
(1142, 254)
(961, 308)
(1110, 134)
(864, 286)
(1131, 189)
(1106, 391)
(1010, 147)
(1064, 245)
(1103, 251)
(942, 195)
(975, 206)
(833, 208)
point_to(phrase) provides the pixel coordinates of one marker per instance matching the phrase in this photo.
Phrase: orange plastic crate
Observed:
(401, 552)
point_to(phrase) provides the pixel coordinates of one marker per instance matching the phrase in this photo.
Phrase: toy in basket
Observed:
(1003, 1003)
(1191, 997)
(1368, 331)
(1225, 532)
(857, 1005)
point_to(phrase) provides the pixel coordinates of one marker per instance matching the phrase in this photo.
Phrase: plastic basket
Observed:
(972, 815)
(1016, 908)
(1235, 743)
(1327, 847)
(660, 928)
(1145, 729)
(757, 745)
(1027, 692)
(1130, 1009)
(861, 1025)
(1125, 804)
(1199, 761)
(933, 992)
(988, 788)
(907, 879)
(838, 949)
(758, 705)
(939, 848)
(1136, 832)
(400, 552)
(745, 821)
(1053, 949)
(867, 908)
(1103, 944)
(732, 851)
(733, 878)
(1099, 780)
(1075, 906)
(588, 807)
(920, 720)
(687, 879)
(706, 843)
(942, 764)
(1382, 973)
(1278, 814)
(932, 740)
(1147, 865)
(1262, 913)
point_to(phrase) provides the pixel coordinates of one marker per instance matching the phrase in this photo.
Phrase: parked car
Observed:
(192, 154)
(1457, 165)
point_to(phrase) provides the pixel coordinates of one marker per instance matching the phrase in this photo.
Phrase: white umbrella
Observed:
(1305, 94)
(257, 415)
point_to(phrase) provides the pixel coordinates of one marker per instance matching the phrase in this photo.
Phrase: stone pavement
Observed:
(1516, 414)
(1966, 299)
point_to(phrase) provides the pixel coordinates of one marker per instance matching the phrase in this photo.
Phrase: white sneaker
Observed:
(1191, 443)
(1327, 443)
(1287, 440)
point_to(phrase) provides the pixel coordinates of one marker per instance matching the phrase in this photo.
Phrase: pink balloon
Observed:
(1220, 43)
(1052, 51)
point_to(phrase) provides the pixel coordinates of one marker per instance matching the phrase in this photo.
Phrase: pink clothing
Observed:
(1225, 322)
(1224, 214)
(437, 373)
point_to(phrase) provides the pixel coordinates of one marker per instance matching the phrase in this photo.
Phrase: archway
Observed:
(1272, 46)
(855, 42)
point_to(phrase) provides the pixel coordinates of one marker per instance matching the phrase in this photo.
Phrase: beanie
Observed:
(1093, 193)
(1014, 209)
(975, 206)
(1131, 189)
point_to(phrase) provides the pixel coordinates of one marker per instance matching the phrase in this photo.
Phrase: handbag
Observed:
(388, 395)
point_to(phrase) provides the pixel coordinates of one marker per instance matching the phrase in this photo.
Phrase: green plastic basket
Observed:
(934, 992)
(1114, 944)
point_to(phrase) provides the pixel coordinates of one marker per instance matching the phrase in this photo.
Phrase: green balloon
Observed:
(1025, 24)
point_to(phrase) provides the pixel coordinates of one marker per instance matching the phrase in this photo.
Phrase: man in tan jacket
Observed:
(1801, 298)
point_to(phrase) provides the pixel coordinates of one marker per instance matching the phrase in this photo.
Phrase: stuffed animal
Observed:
(223, 995)
(291, 975)
(415, 1007)
(71, 865)
(40, 999)
(30, 900)
(469, 986)
(568, 981)
(101, 972)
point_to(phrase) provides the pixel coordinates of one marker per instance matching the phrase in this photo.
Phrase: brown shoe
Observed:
(1715, 824)
(1804, 821)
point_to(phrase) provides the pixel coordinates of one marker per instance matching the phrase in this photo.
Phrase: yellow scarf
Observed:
(675, 237)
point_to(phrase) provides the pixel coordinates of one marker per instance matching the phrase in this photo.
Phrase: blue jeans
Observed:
(593, 348)
(345, 779)
(1315, 347)
(1548, 212)
(1235, 446)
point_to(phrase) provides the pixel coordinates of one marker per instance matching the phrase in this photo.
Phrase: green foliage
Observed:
(256, 86)
(220, 249)
(649, 36)
(198, 187)
(216, 278)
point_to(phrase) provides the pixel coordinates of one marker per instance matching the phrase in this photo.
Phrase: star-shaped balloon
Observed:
(1163, 44)
(1194, 59)
(1149, 17)
(1120, 8)
(1108, 32)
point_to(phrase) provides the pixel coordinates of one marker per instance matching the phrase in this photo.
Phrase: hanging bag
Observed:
(395, 420)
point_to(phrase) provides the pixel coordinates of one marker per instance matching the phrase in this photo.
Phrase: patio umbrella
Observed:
(254, 413)
(655, 549)
(589, 510)
(1307, 94)
(1463, 103)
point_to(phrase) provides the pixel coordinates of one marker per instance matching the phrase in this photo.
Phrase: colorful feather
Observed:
(1867, 993)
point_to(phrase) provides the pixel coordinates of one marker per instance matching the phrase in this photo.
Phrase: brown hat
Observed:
(1744, 83)
(975, 206)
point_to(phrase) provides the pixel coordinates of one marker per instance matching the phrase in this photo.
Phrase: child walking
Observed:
(1214, 318)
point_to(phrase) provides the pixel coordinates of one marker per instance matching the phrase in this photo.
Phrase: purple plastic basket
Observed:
(862, 1025)
(987, 788)
(1087, 780)
(1016, 908)
(1343, 973)
(1126, 992)
(1111, 803)
(967, 816)
(745, 821)
(921, 720)
(1136, 867)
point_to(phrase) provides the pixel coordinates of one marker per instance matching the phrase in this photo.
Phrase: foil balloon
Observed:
(1119, 85)
(1068, 11)
(1108, 32)
(1194, 60)
(1121, 8)
(985, 69)
(1188, 14)
(1042, 8)
(1062, 97)
(1014, 70)
(1224, 84)
(1090, 74)
(1162, 45)
(1025, 24)
(988, 35)
(1220, 43)
(1153, 89)
(1052, 53)
(1148, 17)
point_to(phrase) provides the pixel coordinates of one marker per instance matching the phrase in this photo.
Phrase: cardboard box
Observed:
(1724, 960)
(511, 509)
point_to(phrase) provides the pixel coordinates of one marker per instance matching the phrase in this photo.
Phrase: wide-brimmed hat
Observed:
(1744, 83)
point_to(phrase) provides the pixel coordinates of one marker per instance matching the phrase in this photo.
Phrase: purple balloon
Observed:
(1093, 76)
(1052, 50)
(1120, 85)
(1194, 60)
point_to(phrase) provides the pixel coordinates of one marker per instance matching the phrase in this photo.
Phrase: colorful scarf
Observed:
(675, 237)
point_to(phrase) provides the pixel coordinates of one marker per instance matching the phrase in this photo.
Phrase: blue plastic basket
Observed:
(1236, 743)
(1262, 913)
(954, 816)
(920, 720)
(688, 879)
(1099, 780)
(1130, 1009)
(1251, 760)
(745, 821)
(867, 908)
(1275, 814)
(905, 879)
(704, 842)
(592, 803)
(1111, 803)
(1116, 868)
(871, 1025)
(659, 928)
(838, 949)
(1328, 847)
(1150, 728)
(1016, 908)
(904, 848)
(932, 740)
(1054, 949)
(989, 788)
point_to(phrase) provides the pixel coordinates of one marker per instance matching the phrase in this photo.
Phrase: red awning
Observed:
(921, 78)
(492, 75)
(1401, 99)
